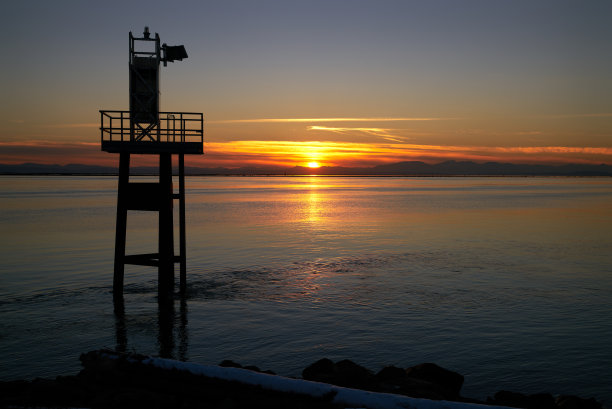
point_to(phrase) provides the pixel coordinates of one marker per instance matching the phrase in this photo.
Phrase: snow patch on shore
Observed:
(345, 396)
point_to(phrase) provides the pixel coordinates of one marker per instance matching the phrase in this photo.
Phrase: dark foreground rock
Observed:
(430, 381)
(518, 400)
(127, 381)
(123, 383)
(422, 381)
(542, 401)
(343, 373)
(449, 382)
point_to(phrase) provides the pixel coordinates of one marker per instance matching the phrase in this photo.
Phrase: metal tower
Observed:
(145, 130)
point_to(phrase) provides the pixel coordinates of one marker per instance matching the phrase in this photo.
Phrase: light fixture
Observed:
(173, 53)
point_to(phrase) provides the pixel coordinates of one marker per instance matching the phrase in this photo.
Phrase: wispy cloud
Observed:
(336, 119)
(75, 125)
(586, 115)
(554, 149)
(384, 133)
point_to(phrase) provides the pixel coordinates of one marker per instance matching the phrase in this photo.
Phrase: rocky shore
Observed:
(431, 381)
(112, 380)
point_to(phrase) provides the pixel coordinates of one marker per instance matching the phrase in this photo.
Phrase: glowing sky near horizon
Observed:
(339, 83)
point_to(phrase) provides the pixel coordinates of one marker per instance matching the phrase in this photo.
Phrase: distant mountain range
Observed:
(412, 168)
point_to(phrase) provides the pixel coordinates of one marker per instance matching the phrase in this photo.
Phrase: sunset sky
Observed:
(340, 83)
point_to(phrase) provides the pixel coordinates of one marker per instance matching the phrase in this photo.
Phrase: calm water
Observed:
(505, 280)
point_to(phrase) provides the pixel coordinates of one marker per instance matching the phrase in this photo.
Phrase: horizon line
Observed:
(334, 166)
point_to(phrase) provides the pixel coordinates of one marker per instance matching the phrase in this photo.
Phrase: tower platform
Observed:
(170, 133)
(174, 133)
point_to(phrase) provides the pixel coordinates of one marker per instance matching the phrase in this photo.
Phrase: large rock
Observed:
(574, 402)
(342, 373)
(395, 380)
(418, 388)
(541, 401)
(355, 376)
(520, 400)
(391, 374)
(228, 363)
(450, 382)
(422, 381)
(508, 398)
(321, 371)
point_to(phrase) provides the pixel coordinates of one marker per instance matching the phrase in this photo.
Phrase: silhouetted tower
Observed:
(145, 130)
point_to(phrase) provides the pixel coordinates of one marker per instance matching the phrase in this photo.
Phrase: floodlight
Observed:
(174, 53)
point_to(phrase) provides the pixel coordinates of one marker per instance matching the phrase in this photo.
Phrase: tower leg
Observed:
(183, 239)
(165, 338)
(166, 230)
(122, 205)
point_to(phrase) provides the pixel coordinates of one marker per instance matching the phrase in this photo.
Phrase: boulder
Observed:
(349, 374)
(574, 402)
(508, 398)
(541, 401)
(391, 374)
(321, 371)
(418, 388)
(342, 373)
(520, 400)
(227, 363)
(450, 382)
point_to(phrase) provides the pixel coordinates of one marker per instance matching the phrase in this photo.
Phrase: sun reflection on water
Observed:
(314, 207)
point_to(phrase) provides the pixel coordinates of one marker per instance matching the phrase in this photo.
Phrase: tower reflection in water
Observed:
(167, 321)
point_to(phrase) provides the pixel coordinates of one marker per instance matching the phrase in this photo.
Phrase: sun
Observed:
(313, 165)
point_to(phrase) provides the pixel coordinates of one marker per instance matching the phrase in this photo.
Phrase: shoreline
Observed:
(112, 379)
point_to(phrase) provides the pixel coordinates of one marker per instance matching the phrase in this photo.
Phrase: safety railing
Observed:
(117, 126)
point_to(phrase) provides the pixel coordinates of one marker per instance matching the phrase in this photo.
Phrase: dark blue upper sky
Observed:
(505, 68)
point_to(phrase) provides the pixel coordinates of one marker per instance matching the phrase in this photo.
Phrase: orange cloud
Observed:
(290, 153)
(339, 119)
